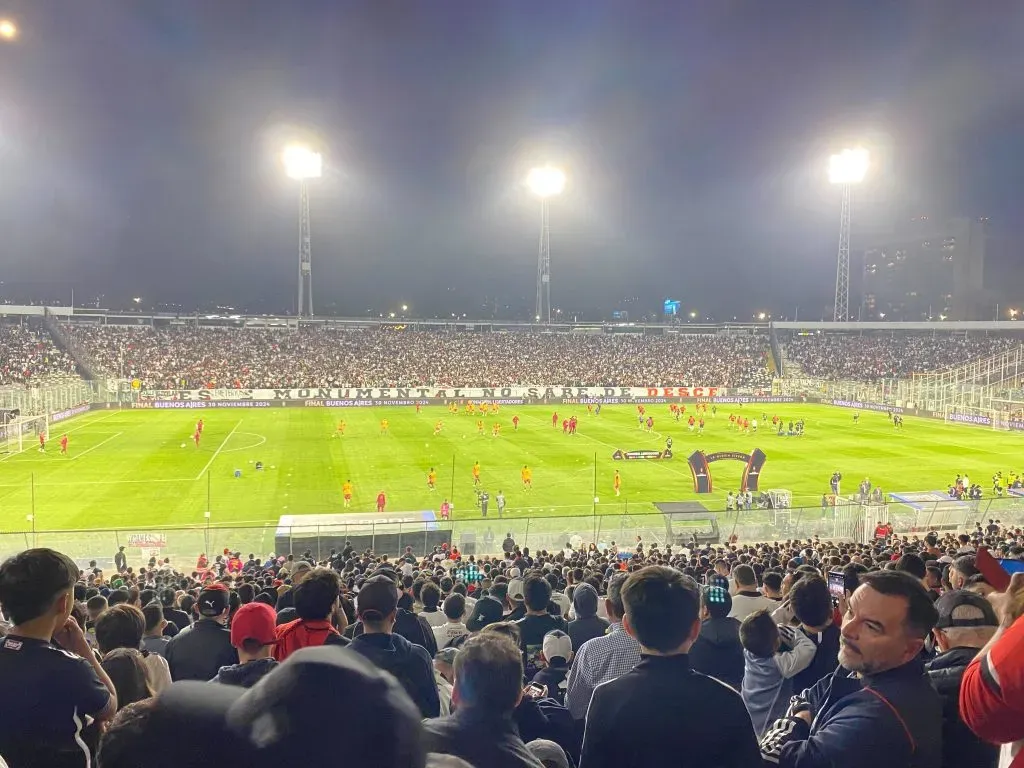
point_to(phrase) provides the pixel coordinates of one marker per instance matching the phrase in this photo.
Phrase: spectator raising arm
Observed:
(992, 691)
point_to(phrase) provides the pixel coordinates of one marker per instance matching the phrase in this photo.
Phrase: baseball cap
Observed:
(447, 655)
(317, 690)
(213, 600)
(378, 595)
(556, 645)
(961, 608)
(254, 621)
(514, 573)
(516, 590)
(487, 610)
(300, 567)
(584, 601)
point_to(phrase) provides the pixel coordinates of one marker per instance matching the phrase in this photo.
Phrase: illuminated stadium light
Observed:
(8, 30)
(546, 181)
(302, 163)
(848, 167)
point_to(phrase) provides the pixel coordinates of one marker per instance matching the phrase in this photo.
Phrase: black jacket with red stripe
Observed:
(889, 720)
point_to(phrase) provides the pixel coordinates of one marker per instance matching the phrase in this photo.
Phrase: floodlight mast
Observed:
(545, 182)
(846, 169)
(302, 164)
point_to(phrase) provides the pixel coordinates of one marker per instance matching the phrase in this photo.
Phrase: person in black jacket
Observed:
(198, 653)
(636, 720)
(376, 605)
(718, 652)
(878, 709)
(966, 623)
(488, 687)
(587, 624)
(175, 616)
(812, 606)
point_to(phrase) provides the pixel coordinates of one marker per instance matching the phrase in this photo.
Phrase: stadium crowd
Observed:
(876, 357)
(192, 358)
(721, 656)
(30, 358)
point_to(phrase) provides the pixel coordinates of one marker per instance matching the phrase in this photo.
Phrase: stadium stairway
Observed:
(775, 350)
(82, 360)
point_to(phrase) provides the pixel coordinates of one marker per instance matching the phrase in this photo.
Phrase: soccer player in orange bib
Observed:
(346, 492)
(384, 426)
(617, 482)
(432, 479)
(527, 475)
(476, 473)
(437, 427)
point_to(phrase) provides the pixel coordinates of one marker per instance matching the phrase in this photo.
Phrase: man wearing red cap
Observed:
(253, 634)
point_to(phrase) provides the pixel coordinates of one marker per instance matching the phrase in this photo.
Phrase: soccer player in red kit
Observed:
(199, 426)
(417, 407)
(554, 419)
(572, 426)
(64, 444)
(565, 426)
(650, 423)
(515, 423)
(382, 501)
(196, 437)
(42, 442)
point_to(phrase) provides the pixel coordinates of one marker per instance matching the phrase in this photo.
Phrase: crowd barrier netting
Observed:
(485, 536)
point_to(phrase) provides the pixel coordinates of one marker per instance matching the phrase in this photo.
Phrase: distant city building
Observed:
(928, 270)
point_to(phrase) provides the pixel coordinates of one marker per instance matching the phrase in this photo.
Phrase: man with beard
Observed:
(878, 708)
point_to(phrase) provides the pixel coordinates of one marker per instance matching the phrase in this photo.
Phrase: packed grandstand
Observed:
(192, 357)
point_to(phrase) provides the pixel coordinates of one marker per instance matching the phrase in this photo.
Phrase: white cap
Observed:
(556, 645)
(515, 589)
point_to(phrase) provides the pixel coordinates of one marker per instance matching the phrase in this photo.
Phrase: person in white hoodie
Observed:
(745, 597)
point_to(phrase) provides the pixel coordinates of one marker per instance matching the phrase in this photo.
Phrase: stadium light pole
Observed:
(302, 163)
(545, 182)
(845, 169)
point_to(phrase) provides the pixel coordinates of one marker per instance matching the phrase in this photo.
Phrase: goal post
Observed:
(23, 432)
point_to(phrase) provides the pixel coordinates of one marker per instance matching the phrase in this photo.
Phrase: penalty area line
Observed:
(90, 450)
(219, 449)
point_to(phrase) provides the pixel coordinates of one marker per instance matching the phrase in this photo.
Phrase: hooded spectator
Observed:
(587, 625)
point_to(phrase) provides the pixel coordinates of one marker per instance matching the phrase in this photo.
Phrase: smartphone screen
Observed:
(836, 583)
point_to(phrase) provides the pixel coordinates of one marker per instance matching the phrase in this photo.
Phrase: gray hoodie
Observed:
(767, 682)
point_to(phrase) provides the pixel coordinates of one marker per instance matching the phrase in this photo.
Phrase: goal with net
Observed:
(22, 432)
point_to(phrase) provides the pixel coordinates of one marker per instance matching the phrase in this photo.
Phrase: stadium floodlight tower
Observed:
(846, 169)
(302, 163)
(545, 182)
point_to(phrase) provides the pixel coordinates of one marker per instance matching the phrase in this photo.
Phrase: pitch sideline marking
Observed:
(90, 450)
(104, 482)
(219, 449)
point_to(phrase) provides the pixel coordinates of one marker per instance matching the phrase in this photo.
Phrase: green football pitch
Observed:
(139, 469)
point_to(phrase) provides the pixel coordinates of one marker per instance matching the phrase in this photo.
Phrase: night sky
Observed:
(140, 147)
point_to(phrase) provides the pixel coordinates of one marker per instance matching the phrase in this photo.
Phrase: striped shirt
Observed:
(598, 661)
